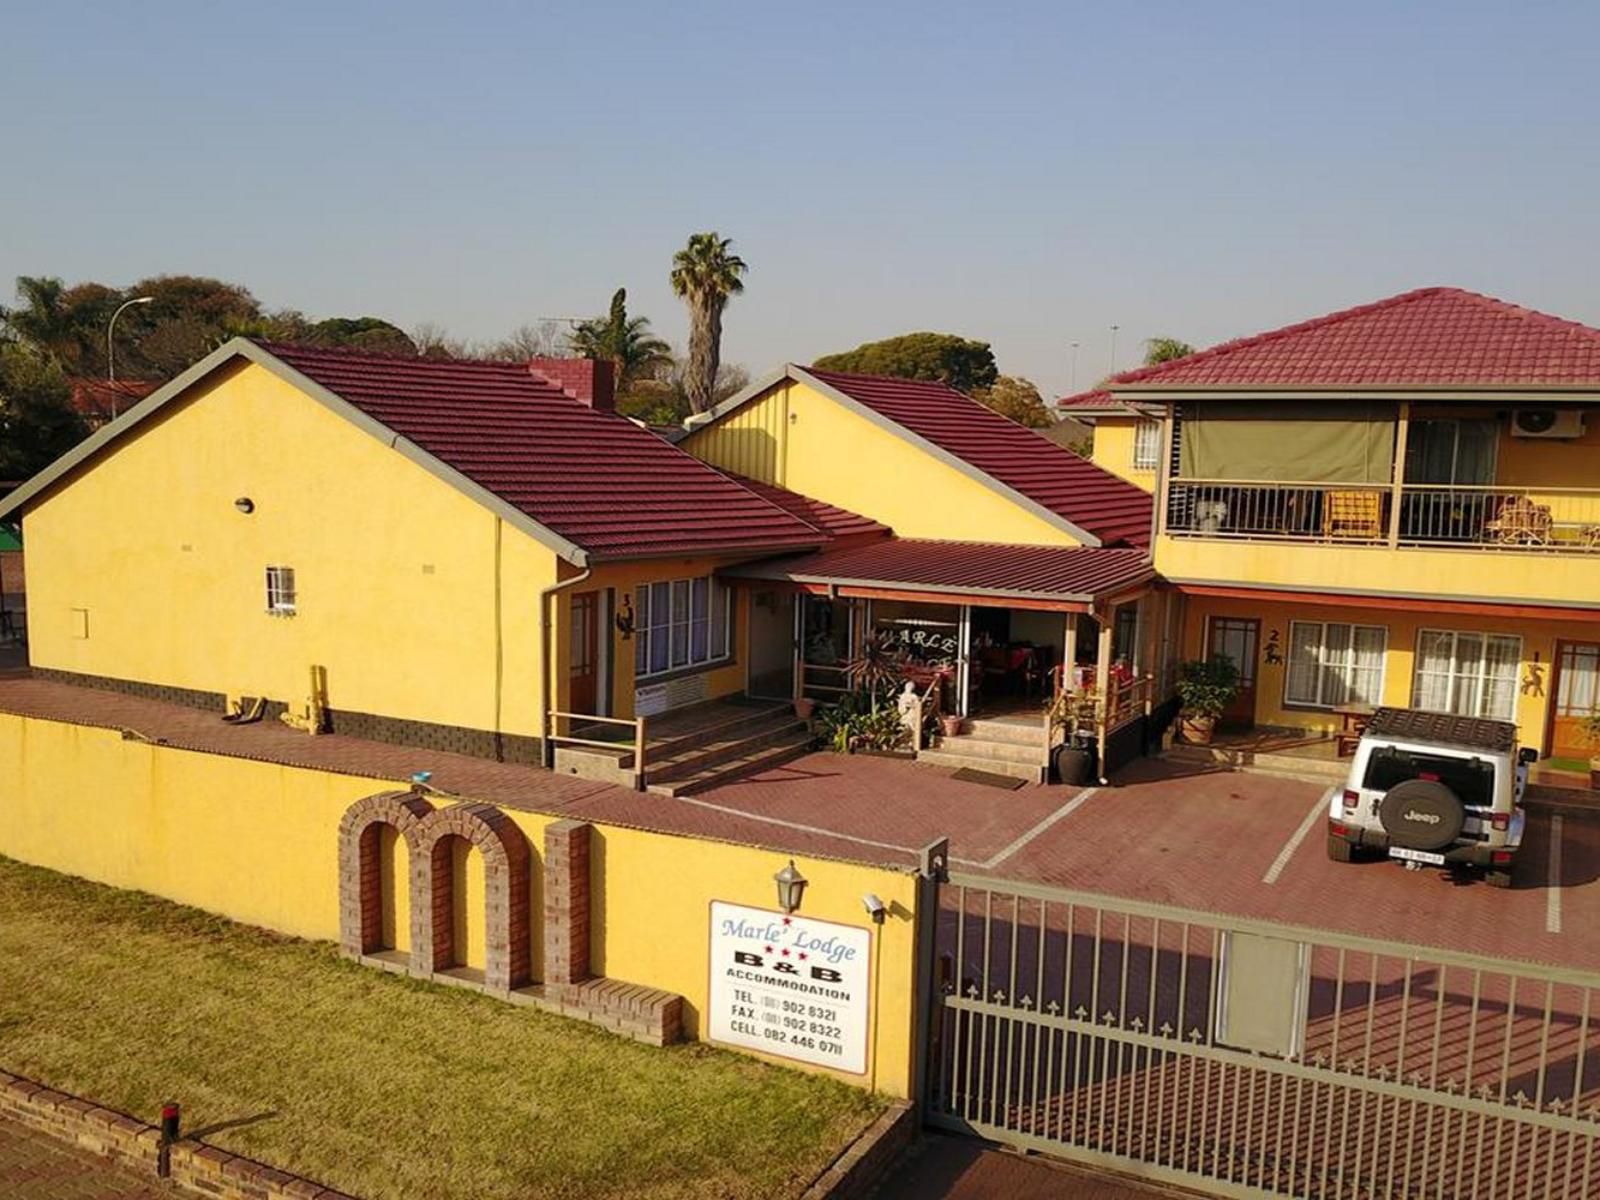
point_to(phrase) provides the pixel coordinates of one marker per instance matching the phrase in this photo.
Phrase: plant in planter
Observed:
(1205, 687)
(1076, 717)
(876, 672)
(1591, 734)
(854, 724)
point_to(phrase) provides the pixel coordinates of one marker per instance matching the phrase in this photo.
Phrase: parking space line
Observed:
(795, 825)
(1066, 810)
(1293, 844)
(1552, 893)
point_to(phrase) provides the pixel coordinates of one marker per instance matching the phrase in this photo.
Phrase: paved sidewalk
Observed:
(36, 1167)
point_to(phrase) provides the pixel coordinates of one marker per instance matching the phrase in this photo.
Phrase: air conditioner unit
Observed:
(1547, 423)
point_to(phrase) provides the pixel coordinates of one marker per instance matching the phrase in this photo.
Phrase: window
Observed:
(1147, 445)
(1451, 451)
(1332, 664)
(1469, 674)
(280, 591)
(1472, 779)
(680, 623)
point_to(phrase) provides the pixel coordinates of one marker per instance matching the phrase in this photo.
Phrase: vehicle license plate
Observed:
(1421, 856)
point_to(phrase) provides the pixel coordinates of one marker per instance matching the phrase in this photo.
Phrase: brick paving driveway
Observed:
(950, 1168)
(35, 1167)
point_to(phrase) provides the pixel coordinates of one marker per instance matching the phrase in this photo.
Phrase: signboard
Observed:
(790, 986)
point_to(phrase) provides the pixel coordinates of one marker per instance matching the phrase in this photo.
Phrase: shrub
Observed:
(1208, 686)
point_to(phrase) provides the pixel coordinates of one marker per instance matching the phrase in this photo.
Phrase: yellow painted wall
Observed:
(1551, 462)
(1113, 450)
(419, 602)
(257, 842)
(1469, 574)
(1538, 650)
(800, 439)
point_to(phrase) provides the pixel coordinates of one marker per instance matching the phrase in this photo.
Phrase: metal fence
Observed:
(1247, 1058)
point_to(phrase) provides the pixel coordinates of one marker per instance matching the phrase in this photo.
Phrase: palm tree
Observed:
(705, 273)
(43, 319)
(623, 341)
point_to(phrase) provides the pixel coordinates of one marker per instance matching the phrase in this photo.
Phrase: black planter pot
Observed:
(1073, 765)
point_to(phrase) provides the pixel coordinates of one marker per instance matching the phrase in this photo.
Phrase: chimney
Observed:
(584, 379)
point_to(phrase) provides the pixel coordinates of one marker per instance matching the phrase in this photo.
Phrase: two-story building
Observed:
(1397, 503)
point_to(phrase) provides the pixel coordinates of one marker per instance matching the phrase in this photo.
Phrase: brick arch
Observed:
(508, 959)
(360, 873)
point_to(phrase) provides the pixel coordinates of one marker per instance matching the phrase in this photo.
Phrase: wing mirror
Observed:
(1528, 754)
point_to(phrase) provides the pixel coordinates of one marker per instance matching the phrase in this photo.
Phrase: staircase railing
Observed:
(637, 724)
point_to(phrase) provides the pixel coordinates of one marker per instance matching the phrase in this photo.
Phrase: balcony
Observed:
(1550, 520)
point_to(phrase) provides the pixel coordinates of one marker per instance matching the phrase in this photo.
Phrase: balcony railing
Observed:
(1557, 520)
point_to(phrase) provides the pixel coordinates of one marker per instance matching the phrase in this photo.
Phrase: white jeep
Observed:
(1432, 789)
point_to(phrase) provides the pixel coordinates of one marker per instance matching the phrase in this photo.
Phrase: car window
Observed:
(1472, 779)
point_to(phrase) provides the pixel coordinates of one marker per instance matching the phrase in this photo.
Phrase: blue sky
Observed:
(1027, 174)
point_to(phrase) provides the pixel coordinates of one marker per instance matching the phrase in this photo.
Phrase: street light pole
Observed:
(111, 364)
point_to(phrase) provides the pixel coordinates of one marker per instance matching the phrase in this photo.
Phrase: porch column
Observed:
(1102, 673)
(963, 654)
(1398, 475)
(1069, 653)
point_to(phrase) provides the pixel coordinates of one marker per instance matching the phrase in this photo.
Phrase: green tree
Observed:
(1165, 349)
(623, 341)
(963, 363)
(37, 420)
(706, 273)
(1017, 398)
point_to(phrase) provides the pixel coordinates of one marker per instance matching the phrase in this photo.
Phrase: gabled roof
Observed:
(1084, 500)
(586, 483)
(1067, 574)
(1436, 337)
(1086, 406)
(835, 522)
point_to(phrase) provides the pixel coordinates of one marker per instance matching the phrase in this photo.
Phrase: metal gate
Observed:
(1247, 1058)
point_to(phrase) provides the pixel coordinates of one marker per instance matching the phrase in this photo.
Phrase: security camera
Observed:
(876, 909)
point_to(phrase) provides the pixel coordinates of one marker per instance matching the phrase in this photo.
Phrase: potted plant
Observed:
(950, 724)
(1205, 687)
(804, 706)
(1075, 714)
(1591, 734)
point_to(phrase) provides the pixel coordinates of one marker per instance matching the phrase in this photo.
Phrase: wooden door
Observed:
(1240, 639)
(1576, 687)
(583, 662)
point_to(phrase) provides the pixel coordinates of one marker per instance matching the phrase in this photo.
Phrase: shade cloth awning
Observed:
(1343, 441)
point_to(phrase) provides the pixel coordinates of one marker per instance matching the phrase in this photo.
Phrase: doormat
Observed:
(988, 778)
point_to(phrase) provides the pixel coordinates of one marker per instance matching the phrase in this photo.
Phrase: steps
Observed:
(1258, 762)
(994, 744)
(705, 758)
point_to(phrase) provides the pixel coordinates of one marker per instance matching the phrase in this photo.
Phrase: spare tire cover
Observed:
(1422, 814)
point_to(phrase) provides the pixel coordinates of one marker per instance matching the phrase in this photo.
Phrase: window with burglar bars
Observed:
(1469, 674)
(1147, 445)
(681, 623)
(280, 591)
(1332, 664)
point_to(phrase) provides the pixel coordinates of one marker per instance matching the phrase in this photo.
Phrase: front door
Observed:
(1577, 692)
(1240, 639)
(583, 662)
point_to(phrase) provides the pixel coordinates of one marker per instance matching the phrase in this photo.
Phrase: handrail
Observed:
(638, 724)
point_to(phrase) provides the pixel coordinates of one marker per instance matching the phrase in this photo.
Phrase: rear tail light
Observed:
(1499, 857)
(1501, 821)
(1338, 830)
(1352, 800)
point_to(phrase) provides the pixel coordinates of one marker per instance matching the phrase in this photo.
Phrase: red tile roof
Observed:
(1432, 337)
(99, 400)
(1098, 402)
(837, 523)
(1073, 488)
(967, 568)
(595, 478)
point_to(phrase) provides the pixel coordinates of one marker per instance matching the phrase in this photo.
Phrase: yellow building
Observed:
(1395, 504)
(484, 557)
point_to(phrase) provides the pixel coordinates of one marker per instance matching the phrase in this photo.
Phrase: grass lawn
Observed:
(377, 1084)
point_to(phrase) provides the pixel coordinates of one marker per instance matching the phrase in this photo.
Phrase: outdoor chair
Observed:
(1521, 522)
(1352, 515)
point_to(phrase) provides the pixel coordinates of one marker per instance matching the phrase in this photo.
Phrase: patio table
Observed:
(1353, 720)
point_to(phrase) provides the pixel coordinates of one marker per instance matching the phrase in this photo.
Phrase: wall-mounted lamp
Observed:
(876, 909)
(791, 887)
(245, 505)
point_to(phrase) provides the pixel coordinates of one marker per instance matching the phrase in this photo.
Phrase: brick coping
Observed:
(865, 1161)
(196, 1168)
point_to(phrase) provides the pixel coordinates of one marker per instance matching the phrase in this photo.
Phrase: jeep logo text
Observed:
(1425, 817)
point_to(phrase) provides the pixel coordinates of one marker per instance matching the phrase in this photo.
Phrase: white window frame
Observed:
(1326, 667)
(1479, 681)
(677, 624)
(1147, 457)
(282, 598)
